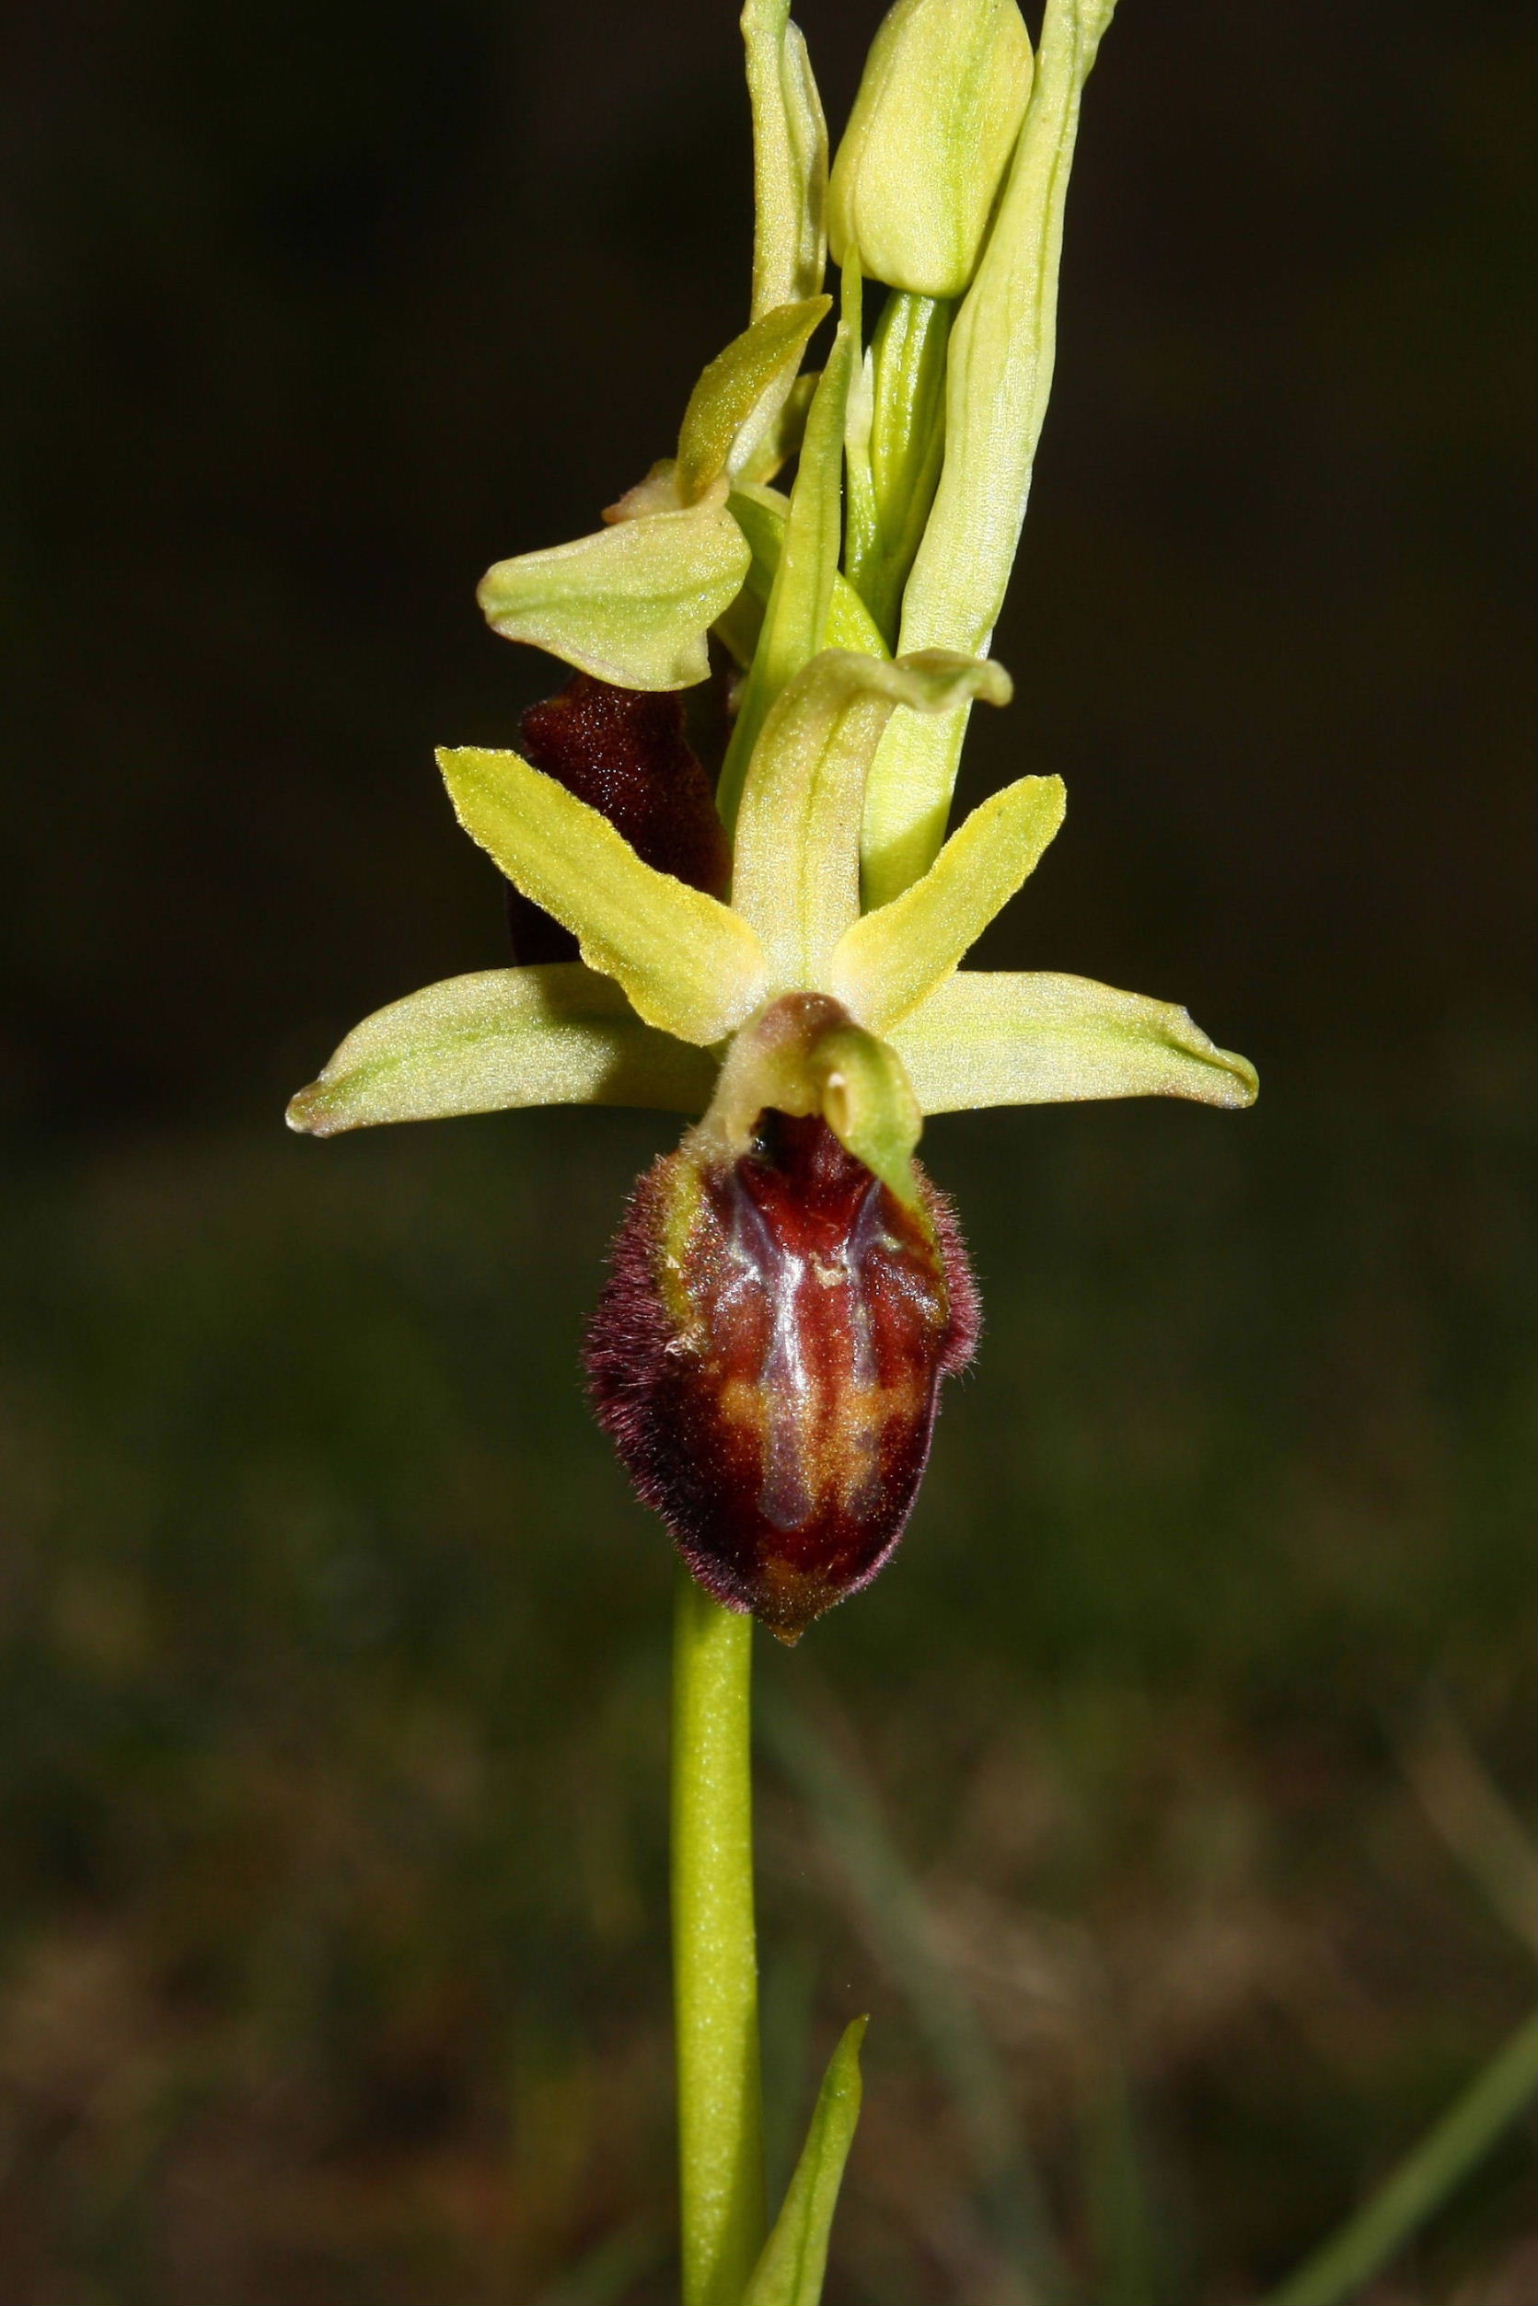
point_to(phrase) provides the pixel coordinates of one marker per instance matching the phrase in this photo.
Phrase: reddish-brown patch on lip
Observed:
(624, 752)
(767, 1356)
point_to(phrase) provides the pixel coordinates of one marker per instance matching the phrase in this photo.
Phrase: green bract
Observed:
(797, 611)
(797, 859)
(894, 440)
(795, 2256)
(998, 376)
(761, 514)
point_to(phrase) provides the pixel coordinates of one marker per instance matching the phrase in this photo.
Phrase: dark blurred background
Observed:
(1169, 1802)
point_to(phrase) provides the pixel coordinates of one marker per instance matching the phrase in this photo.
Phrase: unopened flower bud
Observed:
(929, 140)
(767, 1357)
(624, 752)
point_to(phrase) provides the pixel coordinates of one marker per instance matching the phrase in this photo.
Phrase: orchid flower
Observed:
(829, 981)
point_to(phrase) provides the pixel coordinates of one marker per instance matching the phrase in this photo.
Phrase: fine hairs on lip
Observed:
(767, 1358)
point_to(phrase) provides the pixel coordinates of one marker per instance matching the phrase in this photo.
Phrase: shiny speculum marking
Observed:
(767, 1356)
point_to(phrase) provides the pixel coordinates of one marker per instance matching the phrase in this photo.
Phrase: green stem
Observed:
(1423, 2179)
(715, 1957)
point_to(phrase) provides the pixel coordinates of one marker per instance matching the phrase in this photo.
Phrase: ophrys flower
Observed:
(789, 1290)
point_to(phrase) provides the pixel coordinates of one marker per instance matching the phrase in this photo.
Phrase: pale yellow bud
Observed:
(929, 140)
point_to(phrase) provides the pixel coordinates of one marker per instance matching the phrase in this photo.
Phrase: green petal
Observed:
(796, 874)
(795, 2257)
(558, 1034)
(689, 965)
(631, 604)
(887, 962)
(790, 159)
(796, 617)
(753, 374)
(999, 373)
(986, 1038)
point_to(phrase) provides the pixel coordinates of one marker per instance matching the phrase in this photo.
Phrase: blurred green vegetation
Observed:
(332, 1727)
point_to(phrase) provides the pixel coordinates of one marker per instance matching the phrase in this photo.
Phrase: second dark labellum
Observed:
(624, 752)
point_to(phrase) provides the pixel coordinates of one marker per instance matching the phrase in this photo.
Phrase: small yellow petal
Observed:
(889, 961)
(689, 965)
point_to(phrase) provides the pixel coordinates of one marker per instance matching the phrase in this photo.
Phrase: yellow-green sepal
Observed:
(631, 604)
(796, 870)
(997, 1038)
(554, 1034)
(889, 960)
(740, 393)
(794, 2262)
(690, 965)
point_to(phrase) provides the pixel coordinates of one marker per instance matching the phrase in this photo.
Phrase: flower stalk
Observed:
(715, 1951)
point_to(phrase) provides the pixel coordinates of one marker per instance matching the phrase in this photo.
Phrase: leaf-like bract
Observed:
(795, 2257)
(790, 158)
(760, 514)
(796, 615)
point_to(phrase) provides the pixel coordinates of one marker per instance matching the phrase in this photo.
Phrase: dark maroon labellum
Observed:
(767, 1356)
(623, 751)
